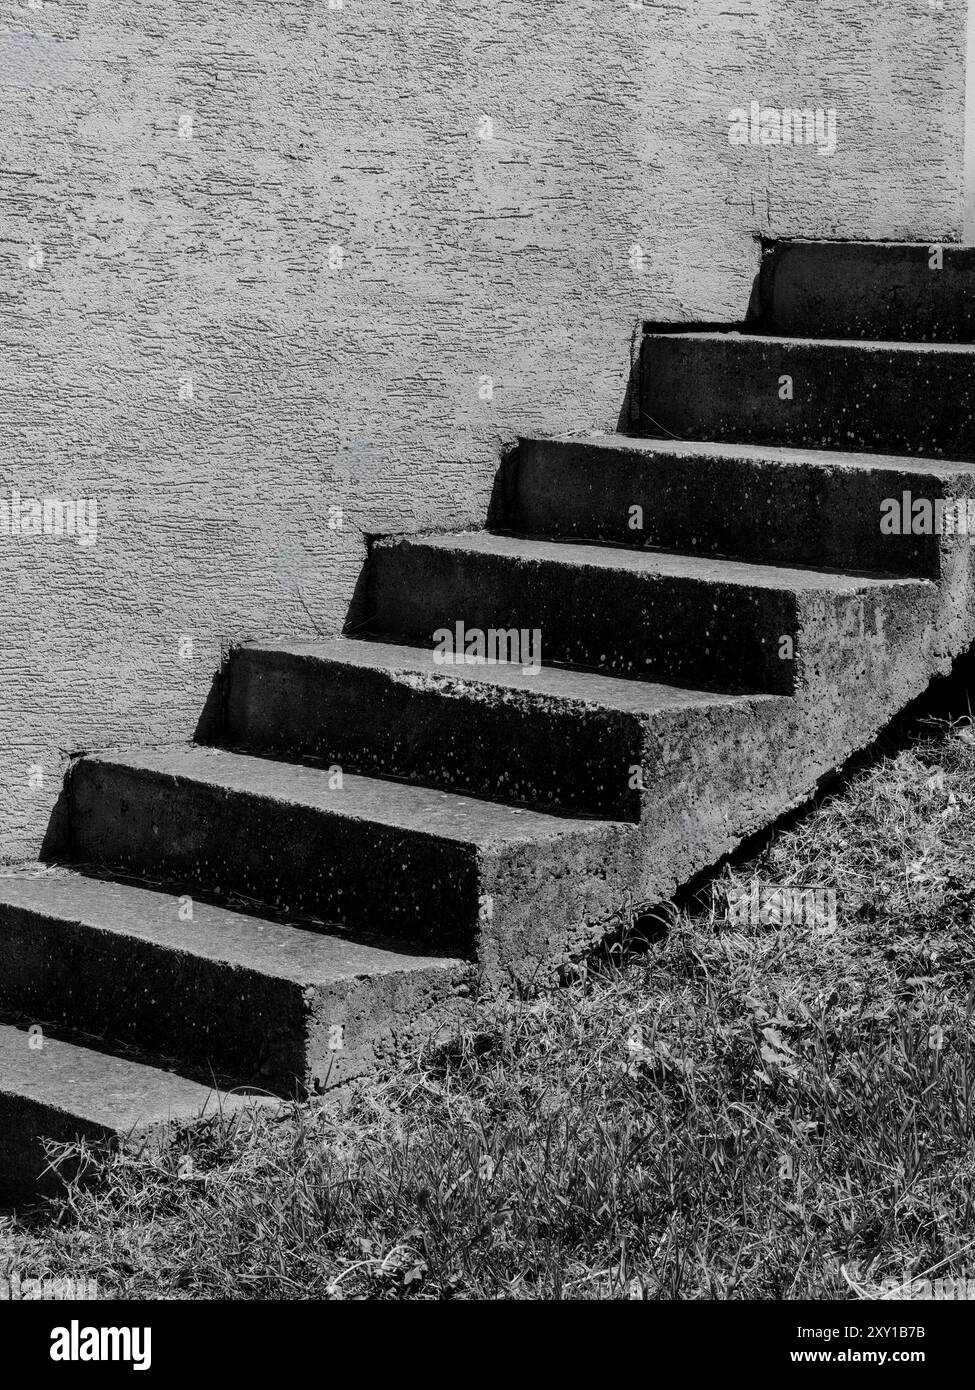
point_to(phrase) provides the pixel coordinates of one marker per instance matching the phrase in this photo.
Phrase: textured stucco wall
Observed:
(133, 257)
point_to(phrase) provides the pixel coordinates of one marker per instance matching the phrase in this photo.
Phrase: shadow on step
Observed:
(104, 1047)
(260, 911)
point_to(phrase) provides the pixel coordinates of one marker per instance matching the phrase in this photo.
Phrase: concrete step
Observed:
(560, 738)
(783, 506)
(455, 827)
(888, 397)
(370, 855)
(878, 290)
(685, 619)
(228, 994)
(61, 1089)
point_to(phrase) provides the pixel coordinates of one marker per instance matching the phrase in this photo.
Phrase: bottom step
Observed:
(52, 1089)
(234, 997)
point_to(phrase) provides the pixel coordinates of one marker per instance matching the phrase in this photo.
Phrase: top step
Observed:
(901, 291)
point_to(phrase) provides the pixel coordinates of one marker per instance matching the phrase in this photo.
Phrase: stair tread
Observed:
(274, 948)
(571, 684)
(860, 345)
(665, 564)
(787, 242)
(115, 1091)
(764, 453)
(445, 816)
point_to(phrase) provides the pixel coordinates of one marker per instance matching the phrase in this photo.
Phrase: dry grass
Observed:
(735, 1113)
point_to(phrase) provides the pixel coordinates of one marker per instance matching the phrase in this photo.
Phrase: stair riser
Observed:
(896, 401)
(24, 1166)
(216, 1019)
(490, 741)
(802, 514)
(344, 871)
(661, 628)
(892, 292)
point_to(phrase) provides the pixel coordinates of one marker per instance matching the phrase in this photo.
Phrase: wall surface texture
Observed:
(259, 260)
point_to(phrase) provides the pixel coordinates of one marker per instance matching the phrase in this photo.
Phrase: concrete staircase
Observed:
(381, 836)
